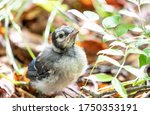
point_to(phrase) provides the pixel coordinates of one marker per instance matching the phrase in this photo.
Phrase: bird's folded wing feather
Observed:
(38, 70)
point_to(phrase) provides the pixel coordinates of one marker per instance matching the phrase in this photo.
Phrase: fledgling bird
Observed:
(59, 64)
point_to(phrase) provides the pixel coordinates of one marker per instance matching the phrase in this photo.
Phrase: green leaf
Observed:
(118, 43)
(94, 27)
(103, 77)
(114, 52)
(111, 22)
(102, 58)
(121, 29)
(119, 88)
(141, 41)
(139, 81)
(147, 27)
(91, 15)
(144, 60)
(136, 51)
(136, 29)
(108, 37)
(78, 14)
(132, 70)
(129, 13)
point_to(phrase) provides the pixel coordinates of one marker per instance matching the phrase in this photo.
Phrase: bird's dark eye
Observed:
(61, 35)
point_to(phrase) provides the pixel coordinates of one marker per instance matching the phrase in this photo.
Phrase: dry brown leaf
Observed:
(91, 48)
(6, 86)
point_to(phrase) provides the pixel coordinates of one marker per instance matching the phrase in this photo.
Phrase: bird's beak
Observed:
(73, 34)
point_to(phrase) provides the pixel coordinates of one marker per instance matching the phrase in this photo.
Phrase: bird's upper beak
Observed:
(73, 34)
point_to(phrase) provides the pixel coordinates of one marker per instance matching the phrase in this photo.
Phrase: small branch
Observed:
(141, 18)
(129, 90)
(137, 88)
(66, 95)
(124, 60)
(76, 92)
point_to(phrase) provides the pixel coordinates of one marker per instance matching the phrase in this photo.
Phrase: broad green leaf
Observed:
(144, 60)
(103, 77)
(102, 58)
(118, 43)
(147, 27)
(121, 29)
(111, 22)
(115, 52)
(136, 29)
(136, 51)
(147, 51)
(91, 15)
(141, 41)
(108, 37)
(129, 13)
(94, 27)
(78, 14)
(119, 88)
(136, 72)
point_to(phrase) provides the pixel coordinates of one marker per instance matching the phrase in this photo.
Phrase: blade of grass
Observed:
(13, 81)
(18, 29)
(8, 47)
(49, 23)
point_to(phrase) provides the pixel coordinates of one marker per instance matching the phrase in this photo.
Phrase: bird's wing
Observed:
(43, 65)
(38, 70)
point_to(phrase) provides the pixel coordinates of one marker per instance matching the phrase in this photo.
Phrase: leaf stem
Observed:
(8, 47)
(141, 18)
(124, 60)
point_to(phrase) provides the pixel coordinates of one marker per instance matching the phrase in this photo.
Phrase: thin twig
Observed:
(76, 92)
(66, 94)
(129, 90)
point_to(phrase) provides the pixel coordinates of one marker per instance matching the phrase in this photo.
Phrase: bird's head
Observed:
(63, 38)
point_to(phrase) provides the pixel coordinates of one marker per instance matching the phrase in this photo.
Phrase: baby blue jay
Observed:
(59, 64)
